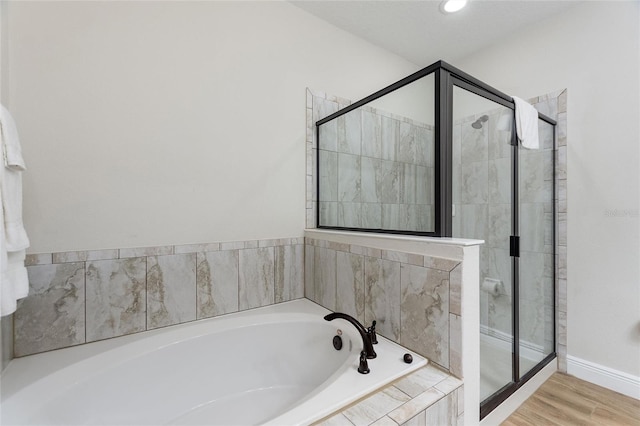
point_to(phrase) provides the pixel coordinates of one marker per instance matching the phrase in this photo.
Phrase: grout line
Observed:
(146, 294)
(85, 301)
(400, 305)
(196, 254)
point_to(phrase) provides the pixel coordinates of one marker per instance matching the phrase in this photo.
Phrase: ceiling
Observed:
(420, 33)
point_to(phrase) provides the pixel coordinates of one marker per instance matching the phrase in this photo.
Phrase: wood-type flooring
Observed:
(565, 400)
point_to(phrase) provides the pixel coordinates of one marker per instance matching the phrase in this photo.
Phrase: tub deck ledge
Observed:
(426, 396)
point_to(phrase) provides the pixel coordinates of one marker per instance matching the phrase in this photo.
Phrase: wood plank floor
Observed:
(566, 400)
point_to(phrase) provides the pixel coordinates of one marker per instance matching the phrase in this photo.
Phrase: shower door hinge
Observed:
(514, 246)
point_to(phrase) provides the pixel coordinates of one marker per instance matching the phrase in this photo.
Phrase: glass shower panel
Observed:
(482, 198)
(376, 163)
(536, 268)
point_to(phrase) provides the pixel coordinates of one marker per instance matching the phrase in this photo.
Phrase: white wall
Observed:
(152, 123)
(3, 50)
(592, 50)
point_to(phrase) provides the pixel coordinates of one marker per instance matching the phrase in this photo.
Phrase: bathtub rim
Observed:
(32, 369)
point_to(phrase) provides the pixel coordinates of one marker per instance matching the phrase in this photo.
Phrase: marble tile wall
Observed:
(561, 236)
(346, 131)
(53, 315)
(428, 396)
(415, 299)
(482, 197)
(536, 230)
(171, 289)
(256, 278)
(115, 302)
(81, 297)
(377, 168)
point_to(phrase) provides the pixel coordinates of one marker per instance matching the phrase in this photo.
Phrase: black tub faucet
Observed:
(371, 331)
(366, 337)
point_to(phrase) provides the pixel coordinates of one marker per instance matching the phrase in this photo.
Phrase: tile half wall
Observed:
(415, 299)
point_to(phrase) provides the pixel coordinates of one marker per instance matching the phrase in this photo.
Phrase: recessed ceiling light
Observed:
(451, 6)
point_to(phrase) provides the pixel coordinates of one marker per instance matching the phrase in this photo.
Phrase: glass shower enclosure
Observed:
(435, 154)
(503, 194)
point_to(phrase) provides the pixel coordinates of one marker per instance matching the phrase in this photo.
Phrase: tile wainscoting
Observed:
(85, 296)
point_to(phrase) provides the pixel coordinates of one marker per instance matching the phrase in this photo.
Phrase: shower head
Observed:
(478, 123)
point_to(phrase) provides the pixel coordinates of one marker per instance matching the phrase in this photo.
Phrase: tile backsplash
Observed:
(85, 296)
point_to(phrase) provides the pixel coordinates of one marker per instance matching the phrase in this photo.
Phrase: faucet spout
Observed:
(366, 339)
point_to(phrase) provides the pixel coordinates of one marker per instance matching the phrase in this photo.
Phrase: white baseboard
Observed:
(606, 377)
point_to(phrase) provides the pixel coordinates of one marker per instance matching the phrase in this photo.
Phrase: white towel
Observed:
(526, 124)
(14, 283)
(10, 143)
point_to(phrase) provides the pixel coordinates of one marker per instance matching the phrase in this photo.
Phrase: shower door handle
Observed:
(514, 246)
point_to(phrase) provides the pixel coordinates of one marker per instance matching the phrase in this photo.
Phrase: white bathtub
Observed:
(274, 365)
